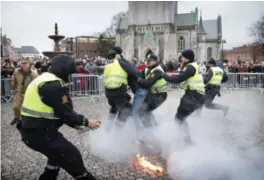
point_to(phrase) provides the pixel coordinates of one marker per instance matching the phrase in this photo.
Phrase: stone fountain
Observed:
(56, 38)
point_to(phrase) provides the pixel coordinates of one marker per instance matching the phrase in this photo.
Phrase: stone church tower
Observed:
(156, 26)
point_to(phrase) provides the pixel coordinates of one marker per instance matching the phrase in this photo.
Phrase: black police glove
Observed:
(140, 80)
(165, 76)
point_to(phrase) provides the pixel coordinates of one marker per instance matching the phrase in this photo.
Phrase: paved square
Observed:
(19, 162)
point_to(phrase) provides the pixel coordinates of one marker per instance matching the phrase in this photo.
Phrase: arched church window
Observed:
(181, 43)
(209, 53)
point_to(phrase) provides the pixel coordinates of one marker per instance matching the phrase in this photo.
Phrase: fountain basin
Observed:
(52, 54)
(56, 37)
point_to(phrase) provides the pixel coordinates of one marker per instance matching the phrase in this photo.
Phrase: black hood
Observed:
(63, 66)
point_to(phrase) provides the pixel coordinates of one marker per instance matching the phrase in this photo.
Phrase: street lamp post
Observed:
(222, 41)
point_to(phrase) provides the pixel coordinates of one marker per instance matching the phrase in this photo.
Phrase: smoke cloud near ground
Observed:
(225, 148)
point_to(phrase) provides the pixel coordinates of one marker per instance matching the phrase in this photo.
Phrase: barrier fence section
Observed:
(236, 81)
(92, 86)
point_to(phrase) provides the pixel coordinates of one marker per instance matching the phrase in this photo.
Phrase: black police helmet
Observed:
(63, 66)
(117, 49)
(212, 61)
(152, 57)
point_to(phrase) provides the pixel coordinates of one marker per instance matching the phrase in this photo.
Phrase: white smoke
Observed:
(225, 148)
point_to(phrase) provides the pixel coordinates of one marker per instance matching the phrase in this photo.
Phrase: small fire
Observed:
(146, 164)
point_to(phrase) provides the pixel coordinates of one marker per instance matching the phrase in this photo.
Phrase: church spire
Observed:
(201, 30)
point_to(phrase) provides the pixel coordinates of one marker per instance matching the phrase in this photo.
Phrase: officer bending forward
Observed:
(47, 106)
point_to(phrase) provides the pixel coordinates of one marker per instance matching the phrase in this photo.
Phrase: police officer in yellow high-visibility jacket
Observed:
(192, 82)
(118, 75)
(213, 80)
(47, 106)
(152, 94)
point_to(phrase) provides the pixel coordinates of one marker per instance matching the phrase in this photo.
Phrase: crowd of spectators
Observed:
(95, 66)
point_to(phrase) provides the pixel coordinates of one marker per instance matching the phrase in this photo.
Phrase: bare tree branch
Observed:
(257, 31)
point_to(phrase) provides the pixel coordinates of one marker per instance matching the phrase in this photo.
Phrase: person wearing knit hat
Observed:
(188, 54)
(152, 93)
(192, 82)
(213, 80)
(118, 75)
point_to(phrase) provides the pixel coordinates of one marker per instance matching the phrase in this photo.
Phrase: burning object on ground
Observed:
(147, 164)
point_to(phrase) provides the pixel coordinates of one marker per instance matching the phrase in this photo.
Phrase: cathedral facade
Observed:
(156, 26)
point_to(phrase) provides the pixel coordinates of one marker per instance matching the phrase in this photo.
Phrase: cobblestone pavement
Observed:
(19, 162)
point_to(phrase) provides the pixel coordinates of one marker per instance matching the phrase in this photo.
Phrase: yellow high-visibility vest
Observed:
(32, 105)
(217, 76)
(161, 85)
(114, 75)
(195, 82)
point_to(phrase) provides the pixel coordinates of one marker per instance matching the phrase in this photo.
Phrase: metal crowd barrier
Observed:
(91, 86)
(237, 81)
(7, 94)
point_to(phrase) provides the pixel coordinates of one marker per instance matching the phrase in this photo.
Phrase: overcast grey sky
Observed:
(29, 23)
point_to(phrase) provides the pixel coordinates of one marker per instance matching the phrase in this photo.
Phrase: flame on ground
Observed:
(146, 164)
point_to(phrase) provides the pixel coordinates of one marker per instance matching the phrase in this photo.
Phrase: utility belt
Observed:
(116, 92)
(193, 93)
(37, 130)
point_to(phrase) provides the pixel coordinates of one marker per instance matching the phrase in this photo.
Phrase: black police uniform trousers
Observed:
(120, 104)
(191, 101)
(210, 93)
(60, 153)
(151, 102)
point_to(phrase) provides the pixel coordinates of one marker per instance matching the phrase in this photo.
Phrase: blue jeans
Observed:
(139, 99)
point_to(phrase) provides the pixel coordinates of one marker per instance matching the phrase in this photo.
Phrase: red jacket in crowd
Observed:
(141, 67)
(82, 80)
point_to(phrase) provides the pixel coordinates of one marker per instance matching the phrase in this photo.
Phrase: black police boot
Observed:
(49, 174)
(87, 176)
(14, 121)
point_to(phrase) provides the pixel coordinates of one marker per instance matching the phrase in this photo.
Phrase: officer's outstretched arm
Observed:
(147, 83)
(56, 96)
(208, 76)
(186, 73)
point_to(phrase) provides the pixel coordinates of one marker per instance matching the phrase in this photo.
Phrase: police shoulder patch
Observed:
(184, 69)
(64, 99)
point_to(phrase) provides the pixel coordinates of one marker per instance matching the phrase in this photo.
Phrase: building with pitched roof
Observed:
(156, 26)
(27, 52)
